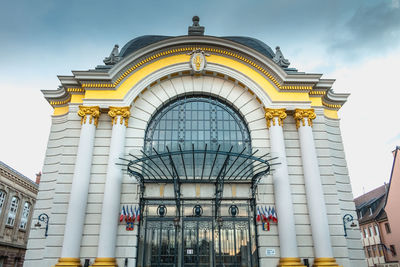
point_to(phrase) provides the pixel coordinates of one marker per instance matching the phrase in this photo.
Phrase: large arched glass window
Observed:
(194, 122)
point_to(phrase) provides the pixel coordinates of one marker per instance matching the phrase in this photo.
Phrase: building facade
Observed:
(195, 151)
(378, 218)
(17, 198)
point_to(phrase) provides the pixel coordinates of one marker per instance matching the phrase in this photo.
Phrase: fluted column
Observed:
(282, 192)
(314, 191)
(80, 187)
(112, 191)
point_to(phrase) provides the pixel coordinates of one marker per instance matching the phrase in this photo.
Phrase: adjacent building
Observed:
(378, 216)
(195, 150)
(17, 199)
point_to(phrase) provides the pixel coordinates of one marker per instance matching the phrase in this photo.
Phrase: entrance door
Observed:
(197, 243)
(233, 246)
(160, 244)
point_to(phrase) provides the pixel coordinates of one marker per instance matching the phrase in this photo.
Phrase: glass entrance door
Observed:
(198, 243)
(160, 242)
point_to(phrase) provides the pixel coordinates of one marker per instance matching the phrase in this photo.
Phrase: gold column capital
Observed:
(271, 113)
(301, 114)
(124, 112)
(92, 111)
(71, 262)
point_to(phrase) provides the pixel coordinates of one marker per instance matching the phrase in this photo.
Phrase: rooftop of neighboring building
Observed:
(370, 206)
(15, 173)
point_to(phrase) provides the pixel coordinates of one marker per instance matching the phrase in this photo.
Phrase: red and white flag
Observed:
(138, 214)
(258, 218)
(274, 216)
(122, 215)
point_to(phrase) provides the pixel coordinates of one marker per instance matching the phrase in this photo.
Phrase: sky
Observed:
(355, 42)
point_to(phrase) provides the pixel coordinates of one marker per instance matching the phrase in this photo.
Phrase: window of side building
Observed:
(376, 229)
(371, 232)
(365, 232)
(387, 227)
(2, 198)
(393, 250)
(369, 251)
(25, 216)
(13, 211)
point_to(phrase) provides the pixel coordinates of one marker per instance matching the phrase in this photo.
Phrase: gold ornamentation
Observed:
(70, 262)
(271, 113)
(111, 262)
(301, 114)
(288, 262)
(93, 112)
(124, 112)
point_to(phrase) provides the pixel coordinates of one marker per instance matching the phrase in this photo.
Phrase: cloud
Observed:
(371, 29)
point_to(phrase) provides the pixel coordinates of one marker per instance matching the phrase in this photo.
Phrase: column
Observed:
(282, 192)
(314, 192)
(80, 187)
(112, 191)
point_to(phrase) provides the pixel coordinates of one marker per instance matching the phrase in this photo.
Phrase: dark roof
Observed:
(378, 196)
(145, 40)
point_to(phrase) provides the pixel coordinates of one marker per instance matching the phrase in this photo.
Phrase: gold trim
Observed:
(271, 113)
(301, 114)
(288, 262)
(325, 262)
(72, 262)
(112, 262)
(124, 112)
(61, 102)
(92, 111)
(336, 106)
(191, 48)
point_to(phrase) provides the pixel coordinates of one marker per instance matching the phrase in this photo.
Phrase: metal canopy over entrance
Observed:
(199, 166)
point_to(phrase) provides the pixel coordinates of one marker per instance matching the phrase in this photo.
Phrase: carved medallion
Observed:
(198, 60)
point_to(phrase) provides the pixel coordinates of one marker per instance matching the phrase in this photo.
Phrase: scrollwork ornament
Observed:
(93, 112)
(271, 113)
(123, 112)
(300, 115)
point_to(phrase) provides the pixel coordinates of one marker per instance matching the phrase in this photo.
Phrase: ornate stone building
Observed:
(17, 198)
(195, 151)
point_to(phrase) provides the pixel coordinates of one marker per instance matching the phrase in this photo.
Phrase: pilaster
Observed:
(112, 194)
(80, 187)
(282, 192)
(314, 192)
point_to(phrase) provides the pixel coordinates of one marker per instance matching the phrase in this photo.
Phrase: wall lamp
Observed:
(348, 218)
(44, 218)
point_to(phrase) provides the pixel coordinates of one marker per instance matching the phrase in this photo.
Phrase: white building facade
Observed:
(197, 136)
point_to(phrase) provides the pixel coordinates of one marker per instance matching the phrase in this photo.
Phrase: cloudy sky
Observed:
(355, 42)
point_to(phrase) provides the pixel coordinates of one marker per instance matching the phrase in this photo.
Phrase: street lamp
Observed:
(44, 218)
(348, 218)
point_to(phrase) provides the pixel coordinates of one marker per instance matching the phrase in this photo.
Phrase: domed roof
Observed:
(145, 40)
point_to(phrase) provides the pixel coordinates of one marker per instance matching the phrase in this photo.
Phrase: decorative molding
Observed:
(271, 113)
(92, 111)
(124, 112)
(301, 114)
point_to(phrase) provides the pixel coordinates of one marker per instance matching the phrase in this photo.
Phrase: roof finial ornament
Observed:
(196, 29)
(280, 59)
(114, 56)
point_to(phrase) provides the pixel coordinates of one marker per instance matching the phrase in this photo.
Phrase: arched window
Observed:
(25, 215)
(192, 122)
(2, 198)
(13, 211)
